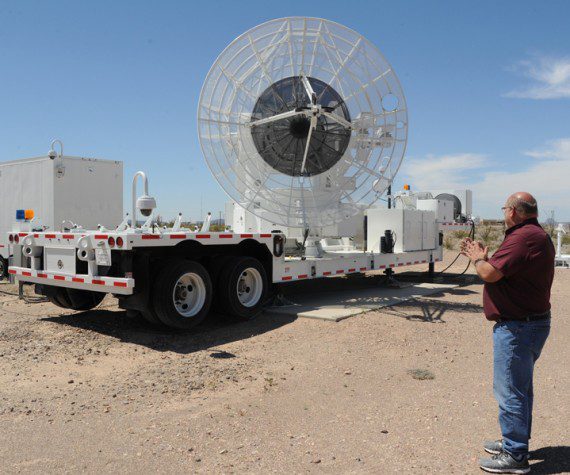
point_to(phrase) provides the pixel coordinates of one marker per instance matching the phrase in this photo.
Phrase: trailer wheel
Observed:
(242, 288)
(182, 295)
(149, 315)
(74, 299)
(56, 295)
(3, 268)
(84, 299)
(58, 300)
(215, 269)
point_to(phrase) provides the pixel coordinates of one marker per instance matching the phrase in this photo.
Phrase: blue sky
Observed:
(487, 85)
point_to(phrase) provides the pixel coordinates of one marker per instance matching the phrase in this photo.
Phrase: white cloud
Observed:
(547, 178)
(555, 149)
(550, 78)
(450, 170)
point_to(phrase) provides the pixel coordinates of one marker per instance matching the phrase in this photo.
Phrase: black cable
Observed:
(454, 275)
(35, 299)
(26, 298)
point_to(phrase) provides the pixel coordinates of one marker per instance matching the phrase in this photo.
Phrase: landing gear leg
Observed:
(388, 280)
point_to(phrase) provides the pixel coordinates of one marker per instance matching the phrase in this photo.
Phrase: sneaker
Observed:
(495, 447)
(504, 463)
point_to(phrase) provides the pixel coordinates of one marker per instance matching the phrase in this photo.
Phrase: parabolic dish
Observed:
(303, 122)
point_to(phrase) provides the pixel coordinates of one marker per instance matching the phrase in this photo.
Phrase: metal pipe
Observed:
(53, 155)
(134, 195)
(559, 236)
(60, 145)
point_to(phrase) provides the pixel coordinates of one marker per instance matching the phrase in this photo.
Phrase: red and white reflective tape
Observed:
(200, 236)
(353, 270)
(164, 239)
(458, 225)
(108, 284)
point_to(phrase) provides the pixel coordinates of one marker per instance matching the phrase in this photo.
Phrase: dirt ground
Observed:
(98, 392)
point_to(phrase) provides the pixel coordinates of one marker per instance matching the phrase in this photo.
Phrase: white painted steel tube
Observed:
(134, 195)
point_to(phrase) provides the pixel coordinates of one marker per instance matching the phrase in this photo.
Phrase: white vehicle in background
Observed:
(58, 191)
(304, 124)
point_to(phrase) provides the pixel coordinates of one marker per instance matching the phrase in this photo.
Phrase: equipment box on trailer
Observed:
(86, 191)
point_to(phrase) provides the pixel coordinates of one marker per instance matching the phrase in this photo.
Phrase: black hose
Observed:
(454, 275)
(26, 298)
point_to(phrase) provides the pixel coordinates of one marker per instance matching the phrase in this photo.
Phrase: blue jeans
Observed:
(517, 346)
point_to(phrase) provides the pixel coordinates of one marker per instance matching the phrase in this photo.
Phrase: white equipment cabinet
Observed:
(413, 230)
(86, 191)
(443, 209)
(465, 198)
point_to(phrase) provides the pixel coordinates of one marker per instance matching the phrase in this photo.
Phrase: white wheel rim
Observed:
(189, 294)
(249, 287)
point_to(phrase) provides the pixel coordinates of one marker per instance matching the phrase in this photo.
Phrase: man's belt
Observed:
(529, 318)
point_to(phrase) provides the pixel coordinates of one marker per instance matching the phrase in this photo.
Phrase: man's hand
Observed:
(474, 249)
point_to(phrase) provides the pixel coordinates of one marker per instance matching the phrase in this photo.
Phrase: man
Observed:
(516, 295)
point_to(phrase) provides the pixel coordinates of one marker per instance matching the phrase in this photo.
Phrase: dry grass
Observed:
(449, 242)
(421, 374)
(491, 234)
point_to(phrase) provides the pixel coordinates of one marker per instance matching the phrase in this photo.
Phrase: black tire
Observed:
(84, 299)
(75, 299)
(58, 296)
(56, 301)
(167, 286)
(233, 302)
(149, 315)
(3, 268)
(215, 268)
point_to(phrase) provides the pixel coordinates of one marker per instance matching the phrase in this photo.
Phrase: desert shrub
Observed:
(421, 374)
(460, 234)
(550, 229)
(448, 242)
(488, 236)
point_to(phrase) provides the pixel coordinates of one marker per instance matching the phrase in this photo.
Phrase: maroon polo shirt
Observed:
(526, 259)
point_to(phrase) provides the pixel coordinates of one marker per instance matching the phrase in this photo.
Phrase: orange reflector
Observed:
(406, 187)
(29, 214)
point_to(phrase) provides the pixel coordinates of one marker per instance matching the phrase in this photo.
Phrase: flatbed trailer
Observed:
(175, 277)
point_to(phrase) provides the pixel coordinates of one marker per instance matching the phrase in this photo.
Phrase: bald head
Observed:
(524, 204)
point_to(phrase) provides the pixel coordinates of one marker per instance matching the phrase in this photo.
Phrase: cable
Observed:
(35, 299)
(454, 275)
(8, 293)
(25, 298)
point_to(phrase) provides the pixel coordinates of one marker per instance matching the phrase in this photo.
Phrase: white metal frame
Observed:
(336, 55)
(285, 269)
